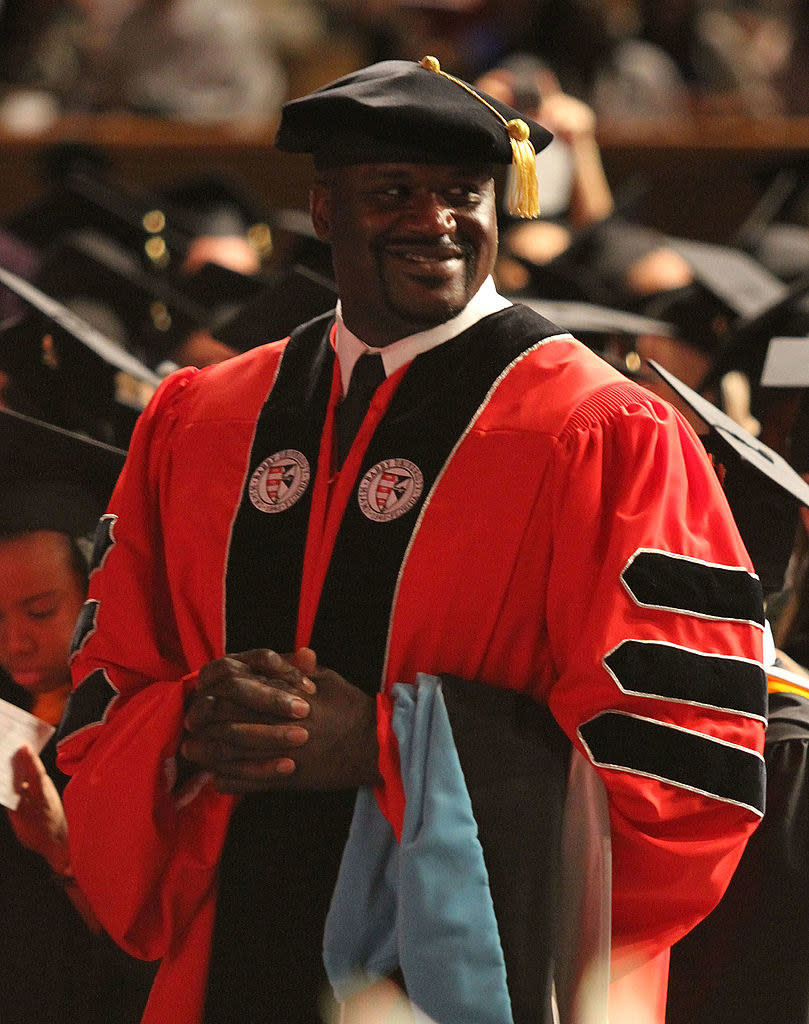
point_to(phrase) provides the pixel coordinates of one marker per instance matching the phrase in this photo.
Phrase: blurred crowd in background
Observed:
(200, 268)
(238, 60)
(106, 288)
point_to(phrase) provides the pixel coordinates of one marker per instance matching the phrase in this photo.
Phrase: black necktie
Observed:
(366, 376)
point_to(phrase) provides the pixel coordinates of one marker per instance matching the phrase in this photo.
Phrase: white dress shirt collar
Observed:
(349, 347)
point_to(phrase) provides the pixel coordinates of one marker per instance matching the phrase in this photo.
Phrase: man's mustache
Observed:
(430, 247)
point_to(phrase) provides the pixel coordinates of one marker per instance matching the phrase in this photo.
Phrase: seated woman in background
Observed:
(58, 966)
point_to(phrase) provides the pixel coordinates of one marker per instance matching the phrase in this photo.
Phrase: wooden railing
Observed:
(697, 178)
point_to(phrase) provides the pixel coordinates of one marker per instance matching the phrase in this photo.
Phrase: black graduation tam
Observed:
(406, 112)
(764, 492)
(52, 479)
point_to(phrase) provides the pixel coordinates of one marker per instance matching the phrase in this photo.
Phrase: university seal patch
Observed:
(279, 481)
(389, 489)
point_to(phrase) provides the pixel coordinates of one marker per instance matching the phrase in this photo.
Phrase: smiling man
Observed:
(469, 699)
(411, 245)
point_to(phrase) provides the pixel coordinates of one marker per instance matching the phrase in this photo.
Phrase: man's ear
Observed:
(320, 211)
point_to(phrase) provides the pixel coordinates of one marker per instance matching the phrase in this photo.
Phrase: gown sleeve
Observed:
(144, 848)
(655, 622)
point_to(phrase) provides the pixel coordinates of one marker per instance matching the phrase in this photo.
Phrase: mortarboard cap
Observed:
(746, 343)
(52, 479)
(219, 292)
(563, 278)
(216, 205)
(83, 332)
(590, 318)
(299, 287)
(732, 309)
(734, 277)
(592, 266)
(154, 312)
(83, 196)
(402, 111)
(784, 250)
(764, 492)
(68, 372)
(700, 319)
(786, 364)
(730, 288)
(776, 195)
(295, 241)
(611, 333)
(83, 202)
(291, 296)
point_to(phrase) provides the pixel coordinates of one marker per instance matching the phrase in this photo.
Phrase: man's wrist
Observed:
(359, 749)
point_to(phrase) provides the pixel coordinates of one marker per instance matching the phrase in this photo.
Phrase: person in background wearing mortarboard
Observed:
(510, 748)
(746, 961)
(57, 965)
(791, 628)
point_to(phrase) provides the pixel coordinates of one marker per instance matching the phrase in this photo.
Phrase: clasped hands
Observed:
(261, 721)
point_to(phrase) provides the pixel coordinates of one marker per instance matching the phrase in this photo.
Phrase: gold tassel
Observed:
(523, 193)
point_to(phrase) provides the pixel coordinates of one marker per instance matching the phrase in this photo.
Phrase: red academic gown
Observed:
(512, 511)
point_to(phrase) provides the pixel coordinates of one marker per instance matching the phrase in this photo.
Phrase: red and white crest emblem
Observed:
(279, 481)
(389, 489)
